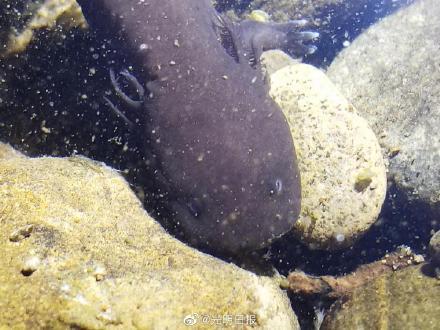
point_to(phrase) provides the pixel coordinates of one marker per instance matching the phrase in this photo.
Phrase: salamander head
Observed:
(240, 193)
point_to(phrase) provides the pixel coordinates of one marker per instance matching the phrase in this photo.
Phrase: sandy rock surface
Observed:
(343, 177)
(406, 299)
(79, 251)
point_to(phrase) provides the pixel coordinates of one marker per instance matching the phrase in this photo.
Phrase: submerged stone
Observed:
(406, 299)
(343, 177)
(390, 73)
(79, 251)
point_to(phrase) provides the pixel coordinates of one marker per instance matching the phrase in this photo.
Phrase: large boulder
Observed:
(79, 251)
(406, 299)
(343, 178)
(391, 73)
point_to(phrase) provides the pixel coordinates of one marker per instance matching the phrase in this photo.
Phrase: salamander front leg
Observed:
(257, 37)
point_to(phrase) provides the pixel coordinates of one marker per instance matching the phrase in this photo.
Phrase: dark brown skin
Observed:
(224, 147)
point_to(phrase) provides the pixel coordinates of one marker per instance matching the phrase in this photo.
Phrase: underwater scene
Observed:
(219, 164)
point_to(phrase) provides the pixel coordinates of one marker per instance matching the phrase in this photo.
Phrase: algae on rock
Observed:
(405, 299)
(51, 14)
(78, 250)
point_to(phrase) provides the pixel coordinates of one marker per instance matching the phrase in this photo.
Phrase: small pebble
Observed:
(99, 272)
(418, 259)
(30, 265)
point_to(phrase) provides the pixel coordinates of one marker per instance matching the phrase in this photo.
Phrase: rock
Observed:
(405, 299)
(6, 151)
(343, 177)
(434, 249)
(79, 251)
(390, 74)
(273, 60)
(50, 15)
(285, 9)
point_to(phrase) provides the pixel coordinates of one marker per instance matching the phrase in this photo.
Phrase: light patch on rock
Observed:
(274, 60)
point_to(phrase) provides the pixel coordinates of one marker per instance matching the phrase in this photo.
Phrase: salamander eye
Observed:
(194, 207)
(276, 188)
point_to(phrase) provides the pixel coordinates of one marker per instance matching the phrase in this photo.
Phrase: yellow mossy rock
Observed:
(52, 14)
(405, 299)
(79, 251)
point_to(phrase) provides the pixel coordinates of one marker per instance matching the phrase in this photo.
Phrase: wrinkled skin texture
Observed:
(223, 147)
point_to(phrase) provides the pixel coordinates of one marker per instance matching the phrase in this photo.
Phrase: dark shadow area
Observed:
(340, 24)
(52, 104)
(431, 270)
(307, 309)
(237, 5)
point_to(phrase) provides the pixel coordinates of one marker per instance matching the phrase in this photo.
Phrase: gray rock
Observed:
(391, 74)
(434, 249)
(340, 9)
